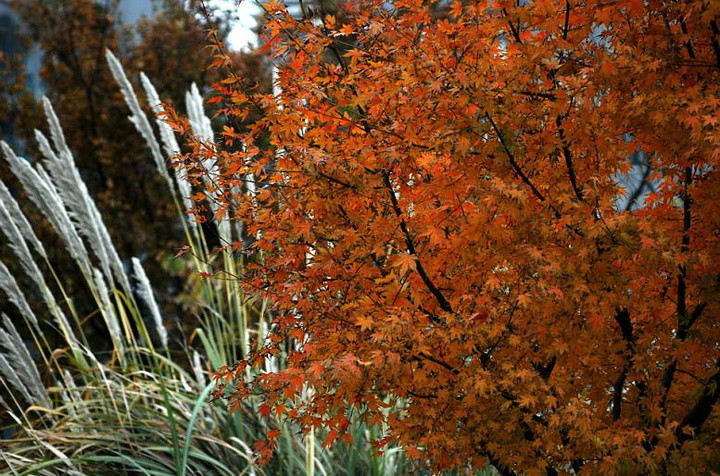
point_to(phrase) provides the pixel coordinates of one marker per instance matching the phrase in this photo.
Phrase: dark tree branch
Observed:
(684, 321)
(688, 43)
(622, 317)
(715, 42)
(682, 334)
(687, 323)
(409, 243)
(684, 247)
(544, 371)
(639, 190)
(439, 362)
(526, 179)
(699, 413)
(515, 165)
(568, 160)
(515, 31)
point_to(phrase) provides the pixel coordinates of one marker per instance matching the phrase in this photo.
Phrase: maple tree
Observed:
(435, 204)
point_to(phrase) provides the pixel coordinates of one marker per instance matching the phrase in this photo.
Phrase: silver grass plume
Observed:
(15, 296)
(8, 375)
(170, 144)
(77, 198)
(73, 242)
(202, 128)
(138, 117)
(167, 135)
(277, 89)
(20, 220)
(108, 311)
(45, 197)
(20, 248)
(67, 400)
(145, 294)
(69, 383)
(22, 252)
(19, 356)
(64, 325)
(198, 370)
(200, 123)
(63, 182)
(18, 245)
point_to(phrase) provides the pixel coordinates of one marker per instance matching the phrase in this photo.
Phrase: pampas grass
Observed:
(130, 403)
(44, 196)
(76, 198)
(145, 294)
(15, 296)
(22, 223)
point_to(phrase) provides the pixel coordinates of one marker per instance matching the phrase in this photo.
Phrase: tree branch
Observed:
(688, 43)
(515, 165)
(515, 31)
(699, 413)
(715, 42)
(639, 190)
(622, 317)
(434, 290)
(684, 321)
(568, 160)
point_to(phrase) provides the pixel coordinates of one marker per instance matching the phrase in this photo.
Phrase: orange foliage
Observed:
(436, 221)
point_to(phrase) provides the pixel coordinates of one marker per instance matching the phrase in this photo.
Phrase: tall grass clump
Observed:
(132, 397)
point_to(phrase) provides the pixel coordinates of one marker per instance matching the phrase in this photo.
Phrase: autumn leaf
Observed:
(405, 262)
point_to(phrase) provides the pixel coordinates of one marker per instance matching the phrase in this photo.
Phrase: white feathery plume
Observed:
(63, 182)
(145, 294)
(77, 198)
(169, 142)
(15, 296)
(167, 135)
(138, 117)
(277, 89)
(20, 357)
(108, 311)
(20, 220)
(60, 218)
(115, 262)
(202, 128)
(67, 400)
(8, 374)
(45, 197)
(250, 184)
(200, 123)
(65, 327)
(70, 385)
(271, 361)
(20, 248)
(248, 180)
(70, 395)
(198, 370)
